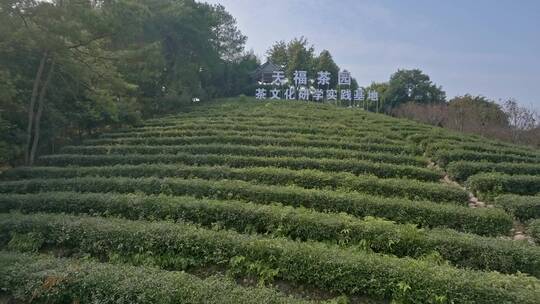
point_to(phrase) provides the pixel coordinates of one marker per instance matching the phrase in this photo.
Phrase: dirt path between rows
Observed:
(518, 231)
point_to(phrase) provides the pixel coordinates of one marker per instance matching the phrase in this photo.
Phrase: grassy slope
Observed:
(283, 169)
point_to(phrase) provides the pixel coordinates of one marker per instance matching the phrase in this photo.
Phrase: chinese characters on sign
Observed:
(303, 91)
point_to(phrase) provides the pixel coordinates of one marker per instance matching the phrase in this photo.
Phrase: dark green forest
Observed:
(69, 68)
(73, 68)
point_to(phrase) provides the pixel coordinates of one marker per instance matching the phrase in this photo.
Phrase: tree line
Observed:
(72, 67)
(411, 94)
(478, 115)
(298, 54)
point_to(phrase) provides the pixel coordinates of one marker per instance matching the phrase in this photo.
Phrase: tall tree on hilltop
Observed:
(520, 118)
(70, 67)
(300, 57)
(325, 62)
(381, 88)
(64, 40)
(226, 37)
(411, 85)
(476, 114)
(218, 76)
(277, 53)
(297, 55)
(188, 49)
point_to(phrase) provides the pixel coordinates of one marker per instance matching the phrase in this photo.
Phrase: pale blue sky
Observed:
(490, 48)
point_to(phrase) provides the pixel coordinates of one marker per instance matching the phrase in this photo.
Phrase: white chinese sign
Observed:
(318, 89)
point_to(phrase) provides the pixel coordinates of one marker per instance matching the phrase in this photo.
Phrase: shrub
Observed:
(264, 151)
(465, 250)
(262, 124)
(43, 279)
(534, 230)
(485, 221)
(522, 207)
(461, 170)
(332, 165)
(485, 147)
(390, 187)
(444, 157)
(338, 270)
(489, 185)
(28, 242)
(281, 131)
(259, 140)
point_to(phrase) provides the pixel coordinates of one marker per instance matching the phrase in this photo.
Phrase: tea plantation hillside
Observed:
(273, 202)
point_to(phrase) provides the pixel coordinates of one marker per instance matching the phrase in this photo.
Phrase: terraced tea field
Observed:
(273, 202)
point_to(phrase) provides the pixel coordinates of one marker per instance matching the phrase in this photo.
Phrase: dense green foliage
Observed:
(411, 85)
(156, 173)
(481, 146)
(461, 170)
(71, 67)
(323, 164)
(314, 198)
(492, 184)
(180, 246)
(389, 187)
(259, 140)
(294, 55)
(521, 206)
(534, 230)
(480, 221)
(446, 156)
(271, 129)
(45, 279)
(299, 55)
(232, 149)
(465, 250)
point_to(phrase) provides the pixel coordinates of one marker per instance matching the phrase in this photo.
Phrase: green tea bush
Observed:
(485, 221)
(425, 138)
(296, 124)
(489, 185)
(428, 138)
(534, 230)
(43, 279)
(443, 157)
(465, 250)
(433, 147)
(324, 164)
(521, 206)
(335, 269)
(264, 151)
(307, 178)
(260, 140)
(461, 170)
(305, 130)
(258, 130)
